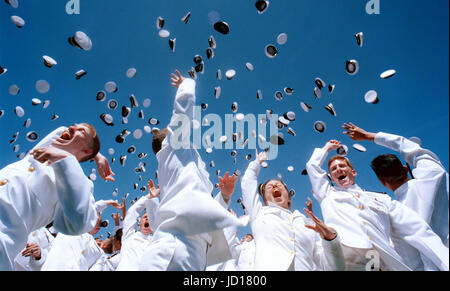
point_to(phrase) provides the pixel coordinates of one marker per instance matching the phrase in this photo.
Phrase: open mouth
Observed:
(66, 135)
(276, 194)
(146, 224)
(342, 177)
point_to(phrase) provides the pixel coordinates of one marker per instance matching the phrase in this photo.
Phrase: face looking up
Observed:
(342, 174)
(275, 191)
(78, 140)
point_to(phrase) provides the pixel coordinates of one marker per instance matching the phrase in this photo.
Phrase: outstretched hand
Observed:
(261, 157)
(103, 168)
(176, 79)
(321, 228)
(227, 185)
(357, 133)
(152, 191)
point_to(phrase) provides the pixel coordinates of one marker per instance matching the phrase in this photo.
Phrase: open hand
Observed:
(103, 168)
(227, 184)
(152, 191)
(261, 157)
(33, 250)
(324, 231)
(176, 79)
(357, 133)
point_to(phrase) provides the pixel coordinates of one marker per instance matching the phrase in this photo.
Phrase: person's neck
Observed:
(395, 186)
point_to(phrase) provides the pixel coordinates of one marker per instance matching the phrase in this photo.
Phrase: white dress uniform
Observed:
(246, 255)
(135, 242)
(427, 193)
(73, 253)
(107, 262)
(232, 240)
(44, 239)
(282, 242)
(189, 223)
(366, 221)
(33, 194)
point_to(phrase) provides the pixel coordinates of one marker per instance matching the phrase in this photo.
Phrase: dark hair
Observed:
(389, 168)
(109, 245)
(95, 143)
(158, 138)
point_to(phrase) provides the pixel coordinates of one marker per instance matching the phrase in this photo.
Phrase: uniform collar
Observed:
(402, 189)
(352, 188)
(274, 208)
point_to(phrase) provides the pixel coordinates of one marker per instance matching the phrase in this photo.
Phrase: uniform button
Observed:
(31, 169)
(291, 239)
(250, 263)
(33, 234)
(82, 252)
(357, 195)
(369, 238)
(3, 182)
(292, 252)
(363, 222)
(290, 218)
(361, 207)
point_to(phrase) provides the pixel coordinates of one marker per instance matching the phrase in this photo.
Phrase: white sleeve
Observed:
(100, 205)
(425, 163)
(183, 112)
(409, 226)
(51, 137)
(318, 176)
(99, 264)
(76, 212)
(133, 214)
(36, 265)
(152, 206)
(328, 255)
(249, 188)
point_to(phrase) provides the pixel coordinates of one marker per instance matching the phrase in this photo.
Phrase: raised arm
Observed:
(152, 203)
(249, 186)
(185, 97)
(318, 176)
(133, 214)
(76, 213)
(411, 152)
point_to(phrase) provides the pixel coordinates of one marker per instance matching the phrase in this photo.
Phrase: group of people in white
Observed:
(49, 217)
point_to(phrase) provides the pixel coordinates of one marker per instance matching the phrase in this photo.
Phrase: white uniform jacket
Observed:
(246, 255)
(186, 208)
(73, 253)
(107, 262)
(427, 193)
(281, 239)
(367, 220)
(33, 194)
(135, 242)
(44, 239)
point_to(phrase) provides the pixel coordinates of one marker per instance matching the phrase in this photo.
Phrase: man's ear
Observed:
(354, 173)
(88, 151)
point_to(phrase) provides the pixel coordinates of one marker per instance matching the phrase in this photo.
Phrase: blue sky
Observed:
(408, 36)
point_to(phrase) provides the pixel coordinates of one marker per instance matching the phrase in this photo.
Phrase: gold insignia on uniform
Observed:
(3, 182)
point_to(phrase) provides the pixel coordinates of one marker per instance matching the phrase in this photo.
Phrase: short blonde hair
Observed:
(334, 158)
